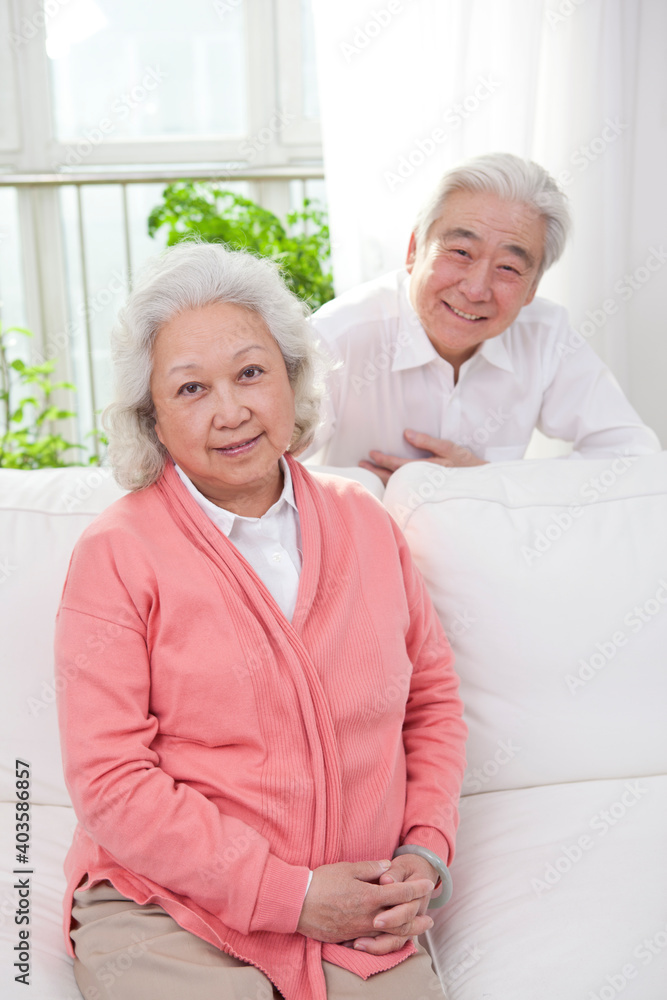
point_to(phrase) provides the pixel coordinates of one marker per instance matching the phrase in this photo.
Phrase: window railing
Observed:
(82, 236)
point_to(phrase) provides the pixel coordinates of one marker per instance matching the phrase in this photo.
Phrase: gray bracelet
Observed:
(440, 867)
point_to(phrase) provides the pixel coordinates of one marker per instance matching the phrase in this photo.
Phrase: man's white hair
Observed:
(191, 275)
(512, 179)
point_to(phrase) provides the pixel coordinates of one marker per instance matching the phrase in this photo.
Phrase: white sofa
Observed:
(551, 579)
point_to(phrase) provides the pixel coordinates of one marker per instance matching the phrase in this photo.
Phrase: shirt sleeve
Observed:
(583, 403)
(147, 820)
(434, 732)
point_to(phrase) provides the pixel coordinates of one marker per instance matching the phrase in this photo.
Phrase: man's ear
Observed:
(412, 253)
(532, 294)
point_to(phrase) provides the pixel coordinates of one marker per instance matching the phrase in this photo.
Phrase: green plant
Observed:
(26, 438)
(219, 216)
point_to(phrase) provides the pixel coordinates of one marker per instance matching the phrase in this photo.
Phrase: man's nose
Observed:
(476, 283)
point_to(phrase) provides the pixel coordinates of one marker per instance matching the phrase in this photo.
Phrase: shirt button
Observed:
(277, 557)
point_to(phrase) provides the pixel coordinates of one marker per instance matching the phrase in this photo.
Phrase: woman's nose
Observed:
(230, 410)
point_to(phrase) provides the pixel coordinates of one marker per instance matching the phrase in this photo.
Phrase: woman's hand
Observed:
(404, 868)
(365, 900)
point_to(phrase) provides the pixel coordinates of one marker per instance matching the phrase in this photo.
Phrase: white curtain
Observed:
(409, 88)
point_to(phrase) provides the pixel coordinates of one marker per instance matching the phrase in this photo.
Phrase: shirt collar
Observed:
(414, 348)
(225, 519)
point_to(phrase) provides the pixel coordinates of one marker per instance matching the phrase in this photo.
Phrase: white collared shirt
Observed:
(537, 373)
(271, 543)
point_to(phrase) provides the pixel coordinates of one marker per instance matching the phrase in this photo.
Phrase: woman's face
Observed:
(224, 407)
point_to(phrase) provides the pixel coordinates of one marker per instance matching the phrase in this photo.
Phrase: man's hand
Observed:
(404, 868)
(442, 453)
(346, 901)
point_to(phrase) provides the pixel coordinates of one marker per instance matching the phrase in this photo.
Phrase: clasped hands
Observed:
(442, 453)
(372, 906)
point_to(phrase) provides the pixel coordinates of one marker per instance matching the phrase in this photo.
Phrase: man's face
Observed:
(476, 269)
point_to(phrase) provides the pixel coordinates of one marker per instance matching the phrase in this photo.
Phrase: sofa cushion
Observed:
(550, 578)
(559, 893)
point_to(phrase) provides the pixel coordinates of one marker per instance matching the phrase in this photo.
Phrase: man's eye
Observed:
(508, 267)
(189, 389)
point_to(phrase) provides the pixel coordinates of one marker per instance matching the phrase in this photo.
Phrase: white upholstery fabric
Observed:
(552, 580)
(544, 762)
(536, 916)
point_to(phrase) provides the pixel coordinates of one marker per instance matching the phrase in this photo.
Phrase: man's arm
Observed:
(583, 403)
(443, 452)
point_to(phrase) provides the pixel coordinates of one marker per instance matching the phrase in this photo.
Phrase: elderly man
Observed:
(452, 358)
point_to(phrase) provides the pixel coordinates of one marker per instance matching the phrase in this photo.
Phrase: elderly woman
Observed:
(263, 712)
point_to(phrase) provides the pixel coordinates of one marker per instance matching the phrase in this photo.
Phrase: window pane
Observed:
(311, 98)
(124, 70)
(12, 300)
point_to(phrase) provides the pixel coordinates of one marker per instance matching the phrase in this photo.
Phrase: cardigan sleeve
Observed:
(160, 828)
(434, 732)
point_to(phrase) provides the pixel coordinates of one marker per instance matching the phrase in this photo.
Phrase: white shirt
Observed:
(271, 543)
(537, 373)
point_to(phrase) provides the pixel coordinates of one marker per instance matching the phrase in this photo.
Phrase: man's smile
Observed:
(463, 315)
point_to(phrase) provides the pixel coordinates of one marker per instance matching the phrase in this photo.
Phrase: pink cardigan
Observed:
(214, 752)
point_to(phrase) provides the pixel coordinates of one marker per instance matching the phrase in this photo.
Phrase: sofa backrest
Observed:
(550, 578)
(42, 514)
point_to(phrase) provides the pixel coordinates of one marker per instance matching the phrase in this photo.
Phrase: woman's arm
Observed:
(153, 825)
(434, 735)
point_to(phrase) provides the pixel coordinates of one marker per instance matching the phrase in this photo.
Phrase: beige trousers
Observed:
(125, 951)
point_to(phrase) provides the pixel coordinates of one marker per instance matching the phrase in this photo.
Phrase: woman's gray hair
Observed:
(512, 179)
(191, 275)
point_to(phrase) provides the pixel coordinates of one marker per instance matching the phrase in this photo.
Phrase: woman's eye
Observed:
(251, 372)
(189, 389)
